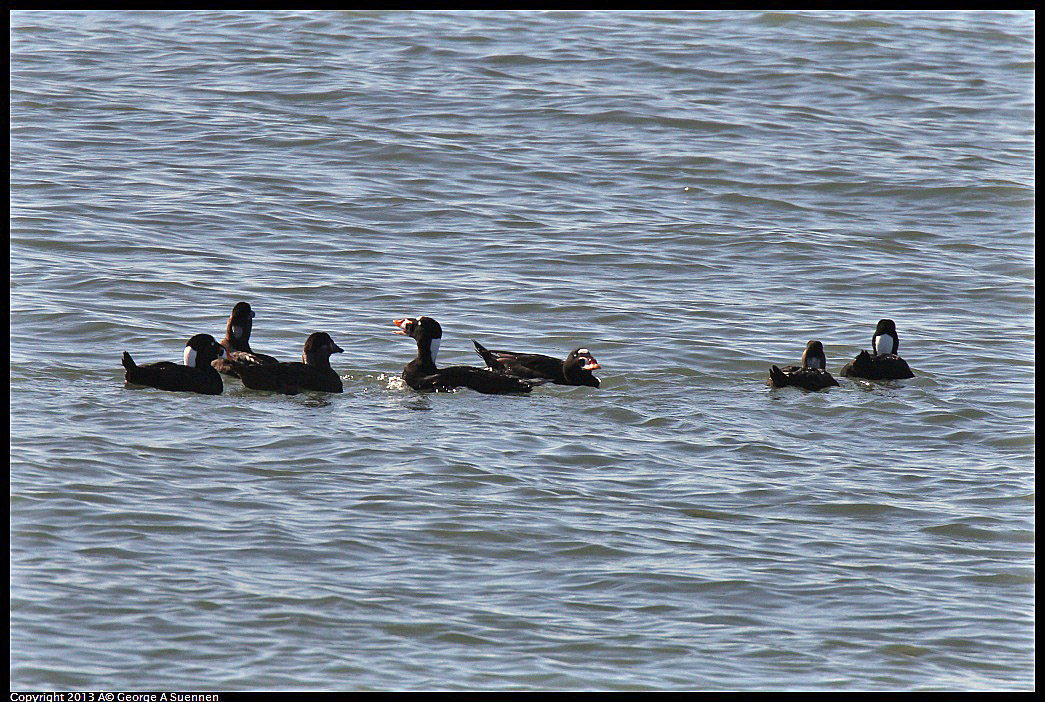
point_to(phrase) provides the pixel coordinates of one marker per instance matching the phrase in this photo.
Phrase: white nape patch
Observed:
(190, 357)
(582, 351)
(237, 331)
(883, 343)
(435, 348)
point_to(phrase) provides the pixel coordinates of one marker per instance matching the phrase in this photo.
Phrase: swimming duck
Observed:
(197, 375)
(811, 375)
(576, 369)
(883, 363)
(237, 343)
(313, 372)
(422, 374)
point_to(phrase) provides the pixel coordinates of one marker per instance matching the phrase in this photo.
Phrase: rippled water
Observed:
(693, 196)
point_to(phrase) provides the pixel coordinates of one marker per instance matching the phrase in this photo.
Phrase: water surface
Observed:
(691, 195)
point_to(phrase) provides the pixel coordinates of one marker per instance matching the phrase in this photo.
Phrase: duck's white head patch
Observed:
(884, 343)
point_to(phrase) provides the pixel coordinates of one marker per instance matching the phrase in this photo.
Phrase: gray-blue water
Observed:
(692, 196)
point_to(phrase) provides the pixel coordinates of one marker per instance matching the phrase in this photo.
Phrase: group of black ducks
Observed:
(206, 360)
(883, 363)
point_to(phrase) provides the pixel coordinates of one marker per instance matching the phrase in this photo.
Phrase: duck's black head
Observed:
(814, 356)
(425, 330)
(578, 367)
(237, 331)
(885, 326)
(318, 348)
(201, 349)
(885, 339)
(419, 327)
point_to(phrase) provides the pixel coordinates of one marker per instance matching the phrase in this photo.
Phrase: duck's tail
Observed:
(491, 360)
